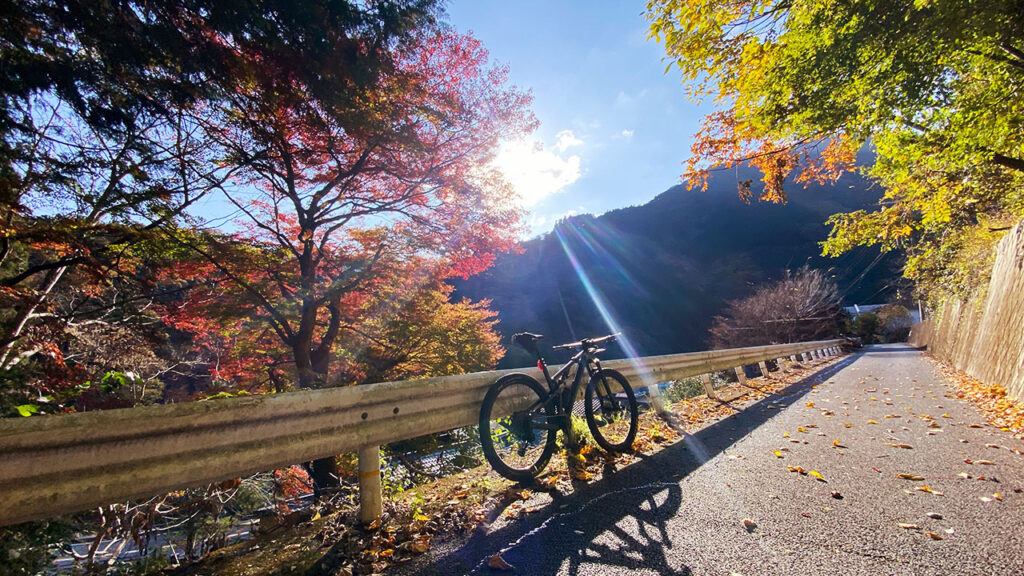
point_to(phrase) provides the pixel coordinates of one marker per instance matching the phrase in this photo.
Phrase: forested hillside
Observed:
(664, 269)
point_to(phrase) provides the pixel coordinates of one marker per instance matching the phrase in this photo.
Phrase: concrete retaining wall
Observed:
(984, 336)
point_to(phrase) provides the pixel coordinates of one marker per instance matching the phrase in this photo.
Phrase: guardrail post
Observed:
(709, 389)
(763, 365)
(740, 374)
(371, 500)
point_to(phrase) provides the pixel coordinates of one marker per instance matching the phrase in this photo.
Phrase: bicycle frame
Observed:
(586, 359)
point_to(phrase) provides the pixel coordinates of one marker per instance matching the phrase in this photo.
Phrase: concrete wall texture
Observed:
(984, 336)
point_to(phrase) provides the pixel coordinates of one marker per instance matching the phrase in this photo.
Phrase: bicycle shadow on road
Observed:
(620, 521)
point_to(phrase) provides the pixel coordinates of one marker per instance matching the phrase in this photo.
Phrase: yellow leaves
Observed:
(904, 446)
(837, 444)
(872, 422)
(798, 470)
(801, 429)
(928, 489)
(777, 454)
(817, 475)
(908, 526)
(985, 462)
(847, 425)
(785, 434)
(914, 477)
(810, 404)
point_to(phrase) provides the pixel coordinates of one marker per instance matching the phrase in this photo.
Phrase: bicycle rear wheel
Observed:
(512, 444)
(611, 410)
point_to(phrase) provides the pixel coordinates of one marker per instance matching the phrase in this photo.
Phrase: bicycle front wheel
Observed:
(611, 410)
(513, 444)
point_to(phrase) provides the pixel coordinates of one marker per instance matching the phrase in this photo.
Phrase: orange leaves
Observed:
(1001, 410)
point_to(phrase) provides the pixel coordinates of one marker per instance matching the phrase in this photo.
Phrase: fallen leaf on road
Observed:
(797, 469)
(915, 477)
(964, 475)
(934, 536)
(749, 524)
(992, 446)
(985, 499)
(907, 526)
(847, 425)
(837, 495)
(801, 429)
(934, 515)
(805, 514)
(785, 434)
(985, 462)
(872, 422)
(927, 488)
(893, 416)
(946, 416)
(810, 404)
(496, 562)
(777, 454)
(974, 426)
(837, 444)
(817, 475)
(905, 446)
(998, 496)
(419, 546)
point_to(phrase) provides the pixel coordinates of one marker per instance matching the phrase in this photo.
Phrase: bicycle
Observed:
(520, 420)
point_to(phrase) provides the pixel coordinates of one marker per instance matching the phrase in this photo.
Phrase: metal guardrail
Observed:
(65, 463)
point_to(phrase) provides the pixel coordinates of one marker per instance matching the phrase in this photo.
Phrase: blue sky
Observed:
(614, 127)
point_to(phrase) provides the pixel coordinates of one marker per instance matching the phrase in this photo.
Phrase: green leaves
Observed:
(800, 86)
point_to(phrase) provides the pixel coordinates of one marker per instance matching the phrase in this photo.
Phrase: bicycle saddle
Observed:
(527, 340)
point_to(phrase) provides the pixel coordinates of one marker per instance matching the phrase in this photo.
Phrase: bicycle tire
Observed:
(518, 455)
(611, 411)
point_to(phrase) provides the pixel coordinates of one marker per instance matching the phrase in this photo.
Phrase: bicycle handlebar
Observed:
(588, 342)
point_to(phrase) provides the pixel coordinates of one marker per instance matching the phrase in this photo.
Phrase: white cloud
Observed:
(566, 140)
(536, 173)
(625, 99)
(627, 135)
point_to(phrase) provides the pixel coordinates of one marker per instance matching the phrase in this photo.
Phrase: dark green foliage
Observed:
(25, 548)
(865, 326)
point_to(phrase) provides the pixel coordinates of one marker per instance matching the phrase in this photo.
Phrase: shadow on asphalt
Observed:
(619, 521)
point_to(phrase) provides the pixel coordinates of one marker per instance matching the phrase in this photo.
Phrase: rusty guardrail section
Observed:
(66, 463)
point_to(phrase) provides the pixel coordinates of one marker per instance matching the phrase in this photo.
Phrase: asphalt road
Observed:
(682, 510)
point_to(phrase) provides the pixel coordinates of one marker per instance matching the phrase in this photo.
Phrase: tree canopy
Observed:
(800, 86)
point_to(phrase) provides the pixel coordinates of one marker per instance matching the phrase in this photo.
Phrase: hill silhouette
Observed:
(662, 270)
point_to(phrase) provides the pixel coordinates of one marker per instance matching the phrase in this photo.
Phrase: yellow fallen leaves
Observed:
(801, 429)
(872, 422)
(810, 404)
(904, 446)
(928, 489)
(909, 526)
(817, 475)
(933, 535)
(914, 477)
(777, 454)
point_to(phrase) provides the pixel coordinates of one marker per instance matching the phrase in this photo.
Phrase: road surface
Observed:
(682, 511)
